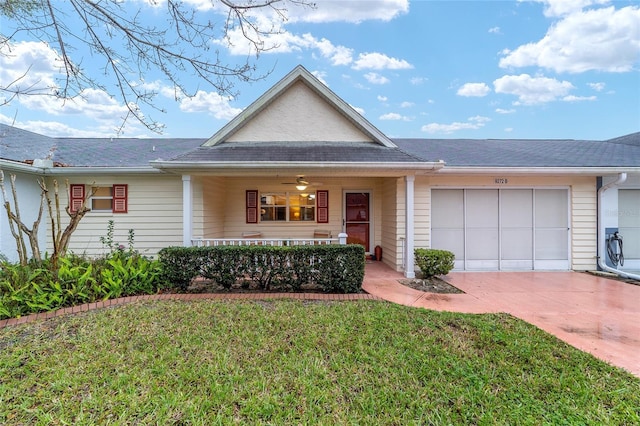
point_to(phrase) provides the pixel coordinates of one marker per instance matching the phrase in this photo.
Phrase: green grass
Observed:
(297, 362)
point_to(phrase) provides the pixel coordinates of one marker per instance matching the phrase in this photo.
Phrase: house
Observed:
(300, 162)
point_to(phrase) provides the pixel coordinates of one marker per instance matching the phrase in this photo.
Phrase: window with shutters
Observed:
(103, 199)
(283, 206)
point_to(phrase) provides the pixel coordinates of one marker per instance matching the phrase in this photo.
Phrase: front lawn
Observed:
(301, 362)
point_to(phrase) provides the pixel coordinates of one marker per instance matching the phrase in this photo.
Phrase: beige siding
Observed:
(393, 222)
(422, 204)
(155, 215)
(584, 224)
(214, 200)
(299, 115)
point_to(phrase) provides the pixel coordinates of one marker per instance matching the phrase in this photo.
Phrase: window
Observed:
(287, 207)
(112, 199)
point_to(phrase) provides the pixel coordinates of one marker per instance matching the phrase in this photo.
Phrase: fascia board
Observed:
(11, 166)
(100, 170)
(283, 164)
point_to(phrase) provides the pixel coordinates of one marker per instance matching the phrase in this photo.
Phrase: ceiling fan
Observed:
(301, 183)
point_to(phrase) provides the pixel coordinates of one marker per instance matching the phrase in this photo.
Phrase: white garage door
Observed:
(629, 226)
(502, 229)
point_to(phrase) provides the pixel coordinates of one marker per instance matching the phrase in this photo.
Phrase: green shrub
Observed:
(334, 268)
(434, 262)
(127, 275)
(179, 266)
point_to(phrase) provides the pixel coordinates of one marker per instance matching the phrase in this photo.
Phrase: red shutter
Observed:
(252, 206)
(120, 203)
(322, 206)
(76, 197)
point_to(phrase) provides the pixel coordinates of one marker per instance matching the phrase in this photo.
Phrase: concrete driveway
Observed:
(595, 314)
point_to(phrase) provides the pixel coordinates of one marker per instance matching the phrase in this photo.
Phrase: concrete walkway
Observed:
(595, 314)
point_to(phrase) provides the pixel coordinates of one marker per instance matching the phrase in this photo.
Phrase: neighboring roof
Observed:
(120, 152)
(24, 146)
(299, 74)
(619, 152)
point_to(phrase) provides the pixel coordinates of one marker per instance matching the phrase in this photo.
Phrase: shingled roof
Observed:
(619, 152)
(299, 152)
(24, 146)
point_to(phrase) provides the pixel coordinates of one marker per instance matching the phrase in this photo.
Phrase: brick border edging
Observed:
(176, 296)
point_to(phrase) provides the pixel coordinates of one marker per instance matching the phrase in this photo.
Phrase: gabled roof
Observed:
(299, 74)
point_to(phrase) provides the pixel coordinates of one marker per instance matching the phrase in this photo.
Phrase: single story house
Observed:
(299, 163)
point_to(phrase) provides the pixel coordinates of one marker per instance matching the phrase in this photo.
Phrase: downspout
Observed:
(622, 177)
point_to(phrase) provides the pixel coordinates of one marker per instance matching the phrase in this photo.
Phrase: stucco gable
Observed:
(299, 108)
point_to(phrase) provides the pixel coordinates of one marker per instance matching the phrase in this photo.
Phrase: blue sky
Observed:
(561, 69)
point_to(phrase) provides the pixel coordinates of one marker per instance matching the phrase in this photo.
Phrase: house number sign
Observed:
(501, 181)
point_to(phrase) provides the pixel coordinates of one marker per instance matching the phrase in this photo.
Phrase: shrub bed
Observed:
(76, 280)
(332, 268)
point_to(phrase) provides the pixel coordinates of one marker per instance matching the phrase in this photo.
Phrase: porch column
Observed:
(187, 211)
(409, 270)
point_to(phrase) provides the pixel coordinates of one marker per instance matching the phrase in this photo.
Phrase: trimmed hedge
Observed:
(434, 262)
(333, 268)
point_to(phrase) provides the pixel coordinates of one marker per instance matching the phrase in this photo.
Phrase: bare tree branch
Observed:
(119, 34)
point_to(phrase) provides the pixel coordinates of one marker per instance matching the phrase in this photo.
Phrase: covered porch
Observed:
(271, 210)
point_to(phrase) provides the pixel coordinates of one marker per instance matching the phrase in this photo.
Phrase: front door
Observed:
(357, 218)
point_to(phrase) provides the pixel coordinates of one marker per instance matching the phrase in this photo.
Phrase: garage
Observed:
(502, 229)
(629, 226)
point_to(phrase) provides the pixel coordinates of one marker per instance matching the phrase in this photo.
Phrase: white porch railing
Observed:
(206, 242)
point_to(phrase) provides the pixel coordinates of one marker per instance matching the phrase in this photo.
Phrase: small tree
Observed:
(19, 229)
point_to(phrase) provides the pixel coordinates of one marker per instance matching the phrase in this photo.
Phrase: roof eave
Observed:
(584, 171)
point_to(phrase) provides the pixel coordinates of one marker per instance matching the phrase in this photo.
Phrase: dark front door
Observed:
(357, 219)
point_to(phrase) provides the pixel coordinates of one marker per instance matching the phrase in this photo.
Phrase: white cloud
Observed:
(474, 89)
(320, 75)
(392, 116)
(494, 30)
(382, 98)
(472, 123)
(358, 109)
(416, 81)
(508, 129)
(598, 87)
(375, 78)
(211, 102)
(286, 42)
(572, 98)
(554, 8)
(603, 39)
(57, 129)
(406, 104)
(324, 10)
(338, 55)
(379, 61)
(505, 111)
(348, 11)
(29, 67)
(532, 90)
